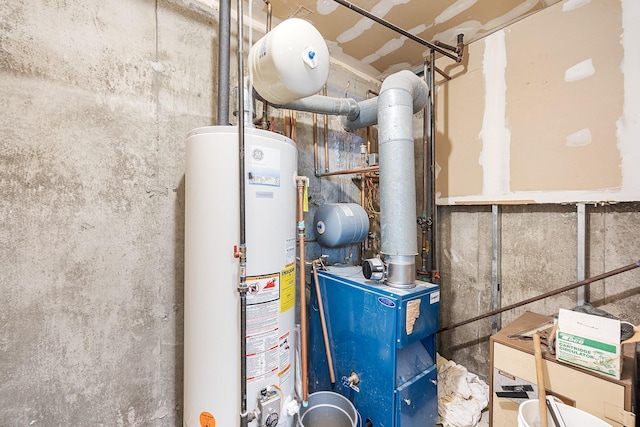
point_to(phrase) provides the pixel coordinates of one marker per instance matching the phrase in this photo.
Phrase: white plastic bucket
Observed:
(529, 416)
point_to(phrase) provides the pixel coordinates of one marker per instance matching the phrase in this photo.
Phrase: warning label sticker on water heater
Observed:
(285, 357)
(263, 328)
(287, 287)
(263, 288)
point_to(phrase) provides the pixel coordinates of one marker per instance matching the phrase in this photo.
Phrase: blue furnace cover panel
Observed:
(387, 337)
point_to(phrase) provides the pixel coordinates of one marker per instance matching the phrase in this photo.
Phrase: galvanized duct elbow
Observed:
(324, 105)
(399, 96)
(367, 112)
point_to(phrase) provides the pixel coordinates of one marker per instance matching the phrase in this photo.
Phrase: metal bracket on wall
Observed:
(496, 250)
(581, 252)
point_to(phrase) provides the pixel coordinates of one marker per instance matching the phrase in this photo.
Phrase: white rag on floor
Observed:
(461, 395)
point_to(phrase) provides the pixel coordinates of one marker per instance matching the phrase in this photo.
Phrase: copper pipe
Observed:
(300, 181)
(326, 135)
(363, 195)
(363, 203)
(425, 171)
(432, 230)
(290, 124)
(364, 164)
(323, 322)
(315, 144)
(286, 121)
(294, 126)
(368, 142)
(352, 171)
(369, 92)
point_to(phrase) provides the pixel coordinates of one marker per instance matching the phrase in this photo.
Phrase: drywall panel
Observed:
(458, 118)
(566, 92)
(555, 123)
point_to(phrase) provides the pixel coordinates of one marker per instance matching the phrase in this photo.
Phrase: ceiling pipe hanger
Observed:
(438, 47)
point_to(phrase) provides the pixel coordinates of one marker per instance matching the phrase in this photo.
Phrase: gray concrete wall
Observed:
(97, 99)
(539, 255)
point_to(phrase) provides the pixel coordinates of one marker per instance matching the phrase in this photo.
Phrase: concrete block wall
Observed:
(538, 255)
(98, 97)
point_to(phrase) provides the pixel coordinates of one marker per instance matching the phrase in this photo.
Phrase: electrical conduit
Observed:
(245, 417)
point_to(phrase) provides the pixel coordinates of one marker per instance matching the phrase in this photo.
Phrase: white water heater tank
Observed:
(211, 299)
(289, 62)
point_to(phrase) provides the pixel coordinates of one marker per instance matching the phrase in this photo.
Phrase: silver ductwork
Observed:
(319, 104)
(401, 96)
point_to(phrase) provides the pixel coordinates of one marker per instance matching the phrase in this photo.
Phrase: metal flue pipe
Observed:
(224, 48)
(402, 95)
(368, 112)
(398, 95)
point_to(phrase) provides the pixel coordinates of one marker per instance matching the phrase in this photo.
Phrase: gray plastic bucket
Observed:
(328, 409)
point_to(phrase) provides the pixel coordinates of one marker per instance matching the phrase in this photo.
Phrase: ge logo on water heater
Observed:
(258, 154)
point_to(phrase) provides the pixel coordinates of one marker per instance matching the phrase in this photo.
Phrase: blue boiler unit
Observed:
(383, 346)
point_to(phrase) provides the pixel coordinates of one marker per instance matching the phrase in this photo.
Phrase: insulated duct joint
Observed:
(401, 271)
(325, 105)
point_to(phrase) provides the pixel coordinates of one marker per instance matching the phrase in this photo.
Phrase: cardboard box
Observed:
(590, 342)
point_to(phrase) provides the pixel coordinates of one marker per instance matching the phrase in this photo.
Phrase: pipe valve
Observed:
(352, 381)
(268, 408)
